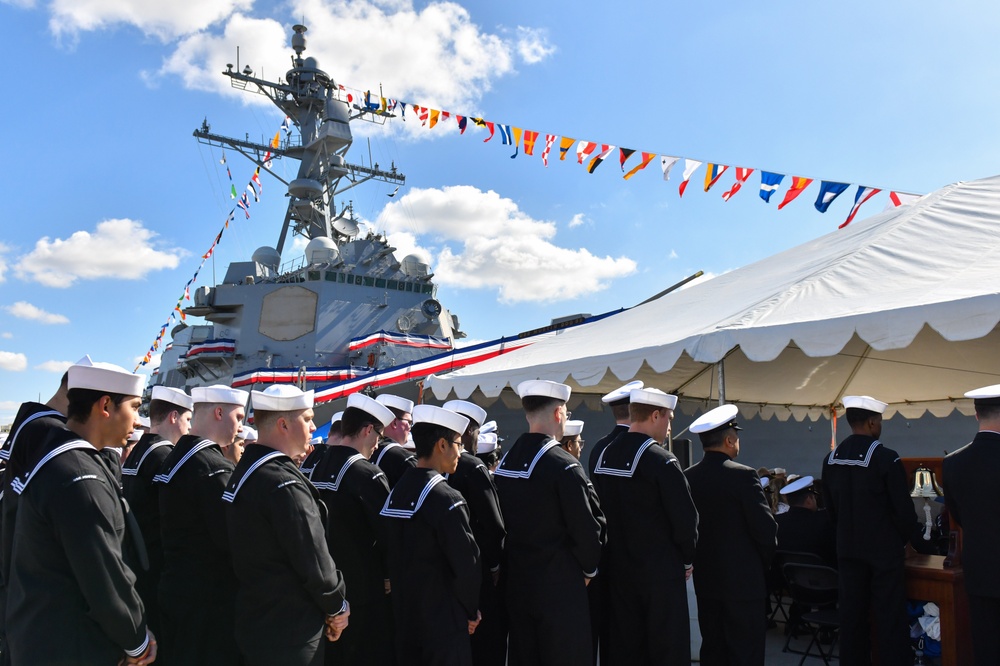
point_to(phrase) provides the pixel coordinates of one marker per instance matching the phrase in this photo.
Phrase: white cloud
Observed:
(503, 248)
(6, 335)
(533, 45)
(121, 249)
(3, 261)
(578, 220)
(25, 310)
(154, 363)
(433, 55)
(165, 20)
(13, 361)
(23, 4)
(673, 254)
(54, 366)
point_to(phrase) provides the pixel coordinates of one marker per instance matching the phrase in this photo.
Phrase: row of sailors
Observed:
(252, 563)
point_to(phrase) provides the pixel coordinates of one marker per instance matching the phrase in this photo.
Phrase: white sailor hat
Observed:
(466, 408)
(652, 396)
(987, 395)
(440, 416)
(104, 377)
(795, 486)
(135, 435)
(316, 441)
(573, 428)
(282, 398)
(864, 402)
(489, 426)
(144, 422)
(487, 442)
(337, 417)
(622, 394)
(247, 434)
(396, 402)
(544, 388)
(721, 417)
(219, 394)
(372, 407)
(173, 396)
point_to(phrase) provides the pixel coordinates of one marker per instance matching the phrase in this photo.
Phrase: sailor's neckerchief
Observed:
(840, 455)
(609, 469)
(168, 475)
(335, 485)
(58, 442)
(384, 446)
(241, 474)
(131, 468)
(528, 468)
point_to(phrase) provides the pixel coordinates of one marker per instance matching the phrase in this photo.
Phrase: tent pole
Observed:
(721, 365)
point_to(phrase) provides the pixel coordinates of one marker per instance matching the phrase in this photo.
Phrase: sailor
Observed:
(652, 532)
(555, 533)
(319, 450)
(572, 440)
(72, 597)
(354, 490)
(170, 419)
(804, 528)
(433, 556)
(291, 596)
(391, 457)
(487, 445)
(472, 479)
(233, 451)
(28, 431)
(617, 400)
(198, 586)
(865, 488)
(973, 503)
(736, 540)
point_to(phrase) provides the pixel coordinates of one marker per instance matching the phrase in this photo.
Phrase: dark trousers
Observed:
(875, 589)
(310, 654)
(441, 650)
(368, 639)
(650, 624)
(597, 598)
(984, 616)
(549, 627)
(489, 643)
(732, 631)
(194, 634)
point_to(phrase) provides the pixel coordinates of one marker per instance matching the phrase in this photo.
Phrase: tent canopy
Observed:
(903, 306)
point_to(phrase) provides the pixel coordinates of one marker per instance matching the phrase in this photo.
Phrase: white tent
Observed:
(903, 306)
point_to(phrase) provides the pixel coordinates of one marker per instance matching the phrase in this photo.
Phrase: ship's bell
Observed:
(924, 484)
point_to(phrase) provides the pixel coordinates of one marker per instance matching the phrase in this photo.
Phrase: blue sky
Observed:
(108, 202)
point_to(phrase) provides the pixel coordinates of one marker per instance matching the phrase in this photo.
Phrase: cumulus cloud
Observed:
(165, 20)
(54, 366)
(154, 363)
(533, 45)
(12, 361)
(23, 4)
(502, 247)
(25, 310)
(119, 248)
(578, 220)
(3, 262)
(6, 335)
(434, 54)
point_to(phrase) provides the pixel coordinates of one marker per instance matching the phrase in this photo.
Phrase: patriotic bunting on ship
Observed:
(564, 145)
(769, 183)
(741, 177)
(863, 195)
(529, 142)
(606, 150)
(549, 140)
(646, 159)
(713, 172)
(798, 185)
(689, 168)
(624, 154)
(828, 191)
(584, 149)
(667, 163)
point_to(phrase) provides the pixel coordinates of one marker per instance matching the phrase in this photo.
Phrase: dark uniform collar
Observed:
(348, 456)
(185, 449)
(519, 462)
(621, 457)
(410, 492)
(254, 457)
(148, 443)
(58, 441)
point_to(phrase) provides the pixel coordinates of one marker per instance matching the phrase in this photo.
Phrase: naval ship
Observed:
(347, 308)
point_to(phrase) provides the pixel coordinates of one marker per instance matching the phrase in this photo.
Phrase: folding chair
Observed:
(776, 581)
(813, 589)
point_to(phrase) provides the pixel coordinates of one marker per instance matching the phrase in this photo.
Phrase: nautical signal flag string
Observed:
(254, 187)
(591, 154)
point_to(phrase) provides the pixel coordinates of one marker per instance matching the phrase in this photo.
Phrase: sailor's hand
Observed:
(147, 657)
(475, 623)
(688, 571)
(335, 624)
(586, 581)
(388, 586)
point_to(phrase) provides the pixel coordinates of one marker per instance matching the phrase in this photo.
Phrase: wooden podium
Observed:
(927, 579)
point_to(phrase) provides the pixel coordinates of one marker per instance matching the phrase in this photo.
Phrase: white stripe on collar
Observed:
(387, 445)
(326, 485)
(611, 471)
(167, 478)
(18, 485)
(230, 496)
(863, 462)
(5, 452)
(132, 471)
(408, 513)
(524, 474)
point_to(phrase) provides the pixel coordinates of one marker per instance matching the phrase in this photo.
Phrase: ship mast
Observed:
(312, 99)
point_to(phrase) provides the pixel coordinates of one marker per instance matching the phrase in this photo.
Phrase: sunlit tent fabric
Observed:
(903, 305)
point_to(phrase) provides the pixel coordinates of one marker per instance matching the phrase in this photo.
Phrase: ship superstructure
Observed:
(348, 307)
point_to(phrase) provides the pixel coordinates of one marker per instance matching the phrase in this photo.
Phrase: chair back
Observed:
(811, 584)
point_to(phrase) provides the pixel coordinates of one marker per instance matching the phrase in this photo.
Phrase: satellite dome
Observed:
(414, 266)
(321, 250)
(267, 257)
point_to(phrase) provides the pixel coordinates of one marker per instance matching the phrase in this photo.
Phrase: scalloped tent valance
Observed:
(903, 306)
